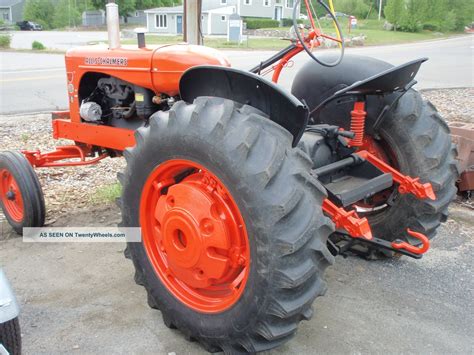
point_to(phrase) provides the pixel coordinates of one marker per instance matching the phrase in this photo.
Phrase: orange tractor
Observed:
(244, 192)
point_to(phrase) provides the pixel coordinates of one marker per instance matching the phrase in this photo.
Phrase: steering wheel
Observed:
(312, 39)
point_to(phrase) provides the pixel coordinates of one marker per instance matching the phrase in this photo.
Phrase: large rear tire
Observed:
(418, 139)
(251, 159)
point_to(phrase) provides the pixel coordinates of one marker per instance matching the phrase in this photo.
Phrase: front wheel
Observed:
(10, 337)
(21, 196)
(233, 247)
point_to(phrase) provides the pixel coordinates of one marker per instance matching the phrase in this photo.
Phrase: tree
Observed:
(66, 14)
(358, 8)
(40, 11)
(125, 6)
(394, 12)
(148, 4)
(464, 12)
(412, 18)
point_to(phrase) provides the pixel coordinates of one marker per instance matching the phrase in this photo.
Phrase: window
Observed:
(223, 18)
(277, 2)
(267, 3)
(223, 2)
(290, 3)
(247, 2)
(161, 21)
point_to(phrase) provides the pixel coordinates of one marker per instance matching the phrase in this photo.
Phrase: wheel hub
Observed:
(11, 196)
(195, 236)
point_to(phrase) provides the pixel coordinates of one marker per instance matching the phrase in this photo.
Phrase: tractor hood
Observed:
(158, 68)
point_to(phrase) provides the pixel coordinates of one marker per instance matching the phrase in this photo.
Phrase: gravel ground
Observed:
(454, 104)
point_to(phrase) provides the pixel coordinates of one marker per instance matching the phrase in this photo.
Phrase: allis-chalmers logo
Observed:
(121, 61)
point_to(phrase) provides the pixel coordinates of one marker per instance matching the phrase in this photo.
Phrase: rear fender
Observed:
(247, 89)
(314, 83)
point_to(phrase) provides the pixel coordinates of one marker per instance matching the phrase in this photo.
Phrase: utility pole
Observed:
(380, 9)
(192, 21)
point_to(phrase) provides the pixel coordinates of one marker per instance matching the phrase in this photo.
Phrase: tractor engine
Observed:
(119, 103)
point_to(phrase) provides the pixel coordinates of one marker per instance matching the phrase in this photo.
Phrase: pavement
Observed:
(41, 77)
(81, 298)
(57, 40)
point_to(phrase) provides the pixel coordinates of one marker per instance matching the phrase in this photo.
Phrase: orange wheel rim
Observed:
(194, 236)
(10, 195)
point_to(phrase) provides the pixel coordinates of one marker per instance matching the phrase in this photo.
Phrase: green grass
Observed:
(252, 43)
(25, 137)
(107, 194)
(375, 33)
(373, 29)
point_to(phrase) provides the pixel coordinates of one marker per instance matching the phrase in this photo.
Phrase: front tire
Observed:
(10, 336)
(252, 160)
(21, 196)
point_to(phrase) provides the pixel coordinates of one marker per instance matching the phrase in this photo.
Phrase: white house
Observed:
(215, 14)
(11, 11)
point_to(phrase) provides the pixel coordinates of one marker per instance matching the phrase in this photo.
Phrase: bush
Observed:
(5, 41)
(256, 23)
(38, 46)
(287, 22)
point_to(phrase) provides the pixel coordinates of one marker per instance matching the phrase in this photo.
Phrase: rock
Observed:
(359, 40)
(388, 26)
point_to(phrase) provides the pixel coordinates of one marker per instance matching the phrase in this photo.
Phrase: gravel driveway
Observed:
(81, 296)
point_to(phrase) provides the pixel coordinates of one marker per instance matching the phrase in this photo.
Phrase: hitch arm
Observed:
(396, 246)
(425, 243)
(407, 184)
(358, 230)
(357, 227)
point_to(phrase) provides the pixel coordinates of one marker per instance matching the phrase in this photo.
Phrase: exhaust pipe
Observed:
(113, 27)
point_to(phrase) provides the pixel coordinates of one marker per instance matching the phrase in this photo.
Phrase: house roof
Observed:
(8, 3)
(168, 10)
(226, 10)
